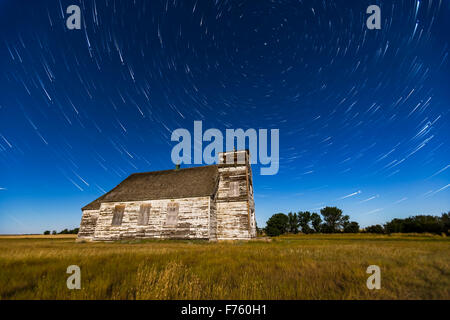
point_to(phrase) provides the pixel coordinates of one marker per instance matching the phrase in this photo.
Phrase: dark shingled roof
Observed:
(168, 184)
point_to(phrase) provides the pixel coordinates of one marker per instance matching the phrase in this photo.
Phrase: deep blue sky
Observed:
(363, 114)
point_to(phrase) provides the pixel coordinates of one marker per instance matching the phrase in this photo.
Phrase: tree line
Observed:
(65, 231)
(332, 220)
(419, 224)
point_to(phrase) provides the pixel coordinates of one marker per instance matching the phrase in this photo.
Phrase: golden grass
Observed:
(289, 267)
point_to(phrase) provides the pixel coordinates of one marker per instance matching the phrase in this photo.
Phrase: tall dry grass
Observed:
(290, 267)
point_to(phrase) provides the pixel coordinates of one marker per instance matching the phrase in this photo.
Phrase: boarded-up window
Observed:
(172, 214)
(118, 215)
(234, 189)
(144, 214)
(93, 221)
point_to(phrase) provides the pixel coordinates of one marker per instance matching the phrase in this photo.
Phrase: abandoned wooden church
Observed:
(211, 202)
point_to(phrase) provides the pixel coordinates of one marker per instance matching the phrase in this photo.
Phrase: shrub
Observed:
(374, 229)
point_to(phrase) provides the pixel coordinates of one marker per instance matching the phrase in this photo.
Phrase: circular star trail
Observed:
(363, 114)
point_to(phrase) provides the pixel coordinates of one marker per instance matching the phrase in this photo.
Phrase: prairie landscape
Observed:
(289, 267)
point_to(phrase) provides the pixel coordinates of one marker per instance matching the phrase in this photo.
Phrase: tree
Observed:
(351, 227)
(394, 226)
(54, 232)
(316, 220)
(65, 231)
(345, 222)
(374, 229)
(293, 222)
(46, 232)
(277, 224)
(446, 222)
(304, 219)
(333, 219)
(419, 224)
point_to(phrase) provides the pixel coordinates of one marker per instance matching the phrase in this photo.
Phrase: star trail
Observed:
(363, 114)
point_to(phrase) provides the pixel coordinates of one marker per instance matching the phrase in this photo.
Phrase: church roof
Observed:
(167, 184)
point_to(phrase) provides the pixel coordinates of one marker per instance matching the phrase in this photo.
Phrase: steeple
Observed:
(234, 157)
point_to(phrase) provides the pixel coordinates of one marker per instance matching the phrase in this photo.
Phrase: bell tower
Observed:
(234, 157)
(235, 210)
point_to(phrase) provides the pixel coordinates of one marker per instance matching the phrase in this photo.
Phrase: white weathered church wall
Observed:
(192, 221)
(88, 223)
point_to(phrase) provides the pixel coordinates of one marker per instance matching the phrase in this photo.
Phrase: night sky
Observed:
(363, 114)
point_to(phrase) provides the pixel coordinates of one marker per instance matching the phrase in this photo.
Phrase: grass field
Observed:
(290, 267)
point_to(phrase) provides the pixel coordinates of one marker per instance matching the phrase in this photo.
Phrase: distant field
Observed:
(39, 236)
(290, 267)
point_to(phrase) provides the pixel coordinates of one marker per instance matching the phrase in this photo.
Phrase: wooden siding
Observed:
(191, 223)
(213, 218)
(232, 221)
(87, 225)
